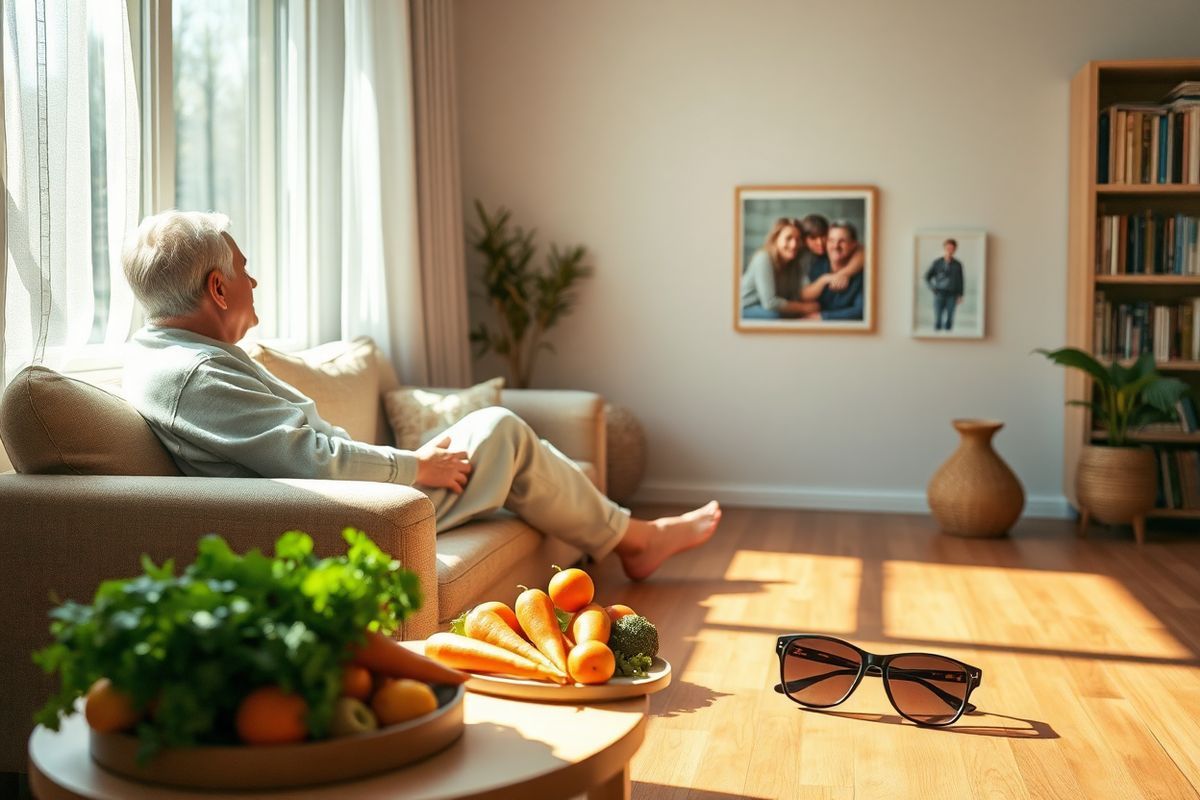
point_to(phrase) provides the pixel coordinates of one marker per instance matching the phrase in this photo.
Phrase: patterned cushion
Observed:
(55, 425)
(342, 378)
(418, 415)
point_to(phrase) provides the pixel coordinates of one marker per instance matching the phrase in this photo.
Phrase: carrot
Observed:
(463, 652)
(591, 624)
(535, 612)
(488, 626)
(384, 655)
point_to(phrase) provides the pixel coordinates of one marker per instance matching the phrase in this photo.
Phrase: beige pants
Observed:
(511, 468)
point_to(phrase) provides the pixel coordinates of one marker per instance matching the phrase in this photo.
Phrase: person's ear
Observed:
(215, 286)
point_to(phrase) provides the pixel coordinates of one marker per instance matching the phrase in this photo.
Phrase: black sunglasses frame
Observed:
(877, 666)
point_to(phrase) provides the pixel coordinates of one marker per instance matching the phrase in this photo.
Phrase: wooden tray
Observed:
(282, 766)
(658, 678)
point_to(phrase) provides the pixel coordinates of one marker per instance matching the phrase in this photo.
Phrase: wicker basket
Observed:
(626, 454)
(1116, 485)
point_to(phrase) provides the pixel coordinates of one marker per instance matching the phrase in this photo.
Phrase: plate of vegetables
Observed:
(253, 672)
(556, 645)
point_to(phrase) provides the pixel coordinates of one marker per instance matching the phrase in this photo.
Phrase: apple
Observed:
(351, 716)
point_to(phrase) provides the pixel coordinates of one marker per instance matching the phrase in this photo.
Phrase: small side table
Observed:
(509, 749)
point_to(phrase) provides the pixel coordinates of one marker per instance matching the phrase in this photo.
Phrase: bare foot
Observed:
(648, 544)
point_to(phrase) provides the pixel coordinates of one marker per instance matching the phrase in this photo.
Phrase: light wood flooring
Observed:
(1090, 651)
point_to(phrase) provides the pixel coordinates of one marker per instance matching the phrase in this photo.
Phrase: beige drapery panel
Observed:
(439, 196)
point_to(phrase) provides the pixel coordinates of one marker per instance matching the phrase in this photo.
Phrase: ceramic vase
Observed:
(1116, 485)
(975, 493)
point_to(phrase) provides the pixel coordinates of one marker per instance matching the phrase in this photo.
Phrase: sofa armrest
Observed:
(573, 421)
(60, 528)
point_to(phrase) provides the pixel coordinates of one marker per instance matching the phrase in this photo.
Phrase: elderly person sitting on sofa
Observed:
(220, 414)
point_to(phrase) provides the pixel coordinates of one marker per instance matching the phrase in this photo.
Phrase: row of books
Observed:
(1184, 422)
(1148, 243)
(1178, 478)
(1147, 142)
(1171, 331)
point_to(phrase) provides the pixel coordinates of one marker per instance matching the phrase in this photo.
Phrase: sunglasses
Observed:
(821, 671)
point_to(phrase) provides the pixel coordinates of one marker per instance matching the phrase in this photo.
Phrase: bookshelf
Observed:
(1101, 85)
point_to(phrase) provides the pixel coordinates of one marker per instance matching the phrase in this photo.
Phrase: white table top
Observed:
(508, 749)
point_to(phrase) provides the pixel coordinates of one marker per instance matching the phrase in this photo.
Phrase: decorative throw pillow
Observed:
(342, 378)
(418, 415)
(55, 425)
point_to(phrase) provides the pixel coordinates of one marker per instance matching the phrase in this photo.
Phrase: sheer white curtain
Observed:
(381, 279)
(71, 148)
(374, 172)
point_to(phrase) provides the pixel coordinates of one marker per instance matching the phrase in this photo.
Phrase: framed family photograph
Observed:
(949, 284)
(804, 259)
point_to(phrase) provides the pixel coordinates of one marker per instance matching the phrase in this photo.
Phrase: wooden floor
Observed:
(1090, 651)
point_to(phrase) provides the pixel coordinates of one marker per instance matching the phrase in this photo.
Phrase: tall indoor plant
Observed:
(1115, 481)
(525, 301)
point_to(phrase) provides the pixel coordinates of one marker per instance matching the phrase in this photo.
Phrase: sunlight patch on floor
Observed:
(788, 592)
(1076, 611)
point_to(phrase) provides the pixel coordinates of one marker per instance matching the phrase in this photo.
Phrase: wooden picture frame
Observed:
(780, 290)
(949, 302)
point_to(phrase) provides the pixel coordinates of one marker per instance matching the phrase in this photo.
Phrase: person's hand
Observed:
(960, 298)
(440, 468)
(812, 315)
(838, 282)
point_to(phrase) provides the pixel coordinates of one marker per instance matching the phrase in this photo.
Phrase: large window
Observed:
(221, 146)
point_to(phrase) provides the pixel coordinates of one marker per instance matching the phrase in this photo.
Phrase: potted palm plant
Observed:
(526, 301)
(1116, 479)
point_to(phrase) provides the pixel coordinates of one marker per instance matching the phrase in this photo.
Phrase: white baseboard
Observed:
(902, 502)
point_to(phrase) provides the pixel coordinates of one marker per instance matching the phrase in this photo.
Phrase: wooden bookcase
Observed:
(1096, 86)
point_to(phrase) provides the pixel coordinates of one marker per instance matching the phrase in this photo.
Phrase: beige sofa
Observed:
(94, 490)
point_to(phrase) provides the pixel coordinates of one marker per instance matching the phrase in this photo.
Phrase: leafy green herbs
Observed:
(191, 646)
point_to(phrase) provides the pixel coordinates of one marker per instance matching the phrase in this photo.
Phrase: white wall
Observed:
(626, 125)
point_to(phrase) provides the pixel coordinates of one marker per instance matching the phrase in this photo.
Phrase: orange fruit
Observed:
(615, 612)
(108, 709)
(356, 682)
(269, 715)
(590, 623)
(571, 589)
(505, 613)
(591, 662)
(401, 700)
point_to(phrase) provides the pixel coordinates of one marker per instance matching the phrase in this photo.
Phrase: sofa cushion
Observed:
(52, 424)
(418, 415)
(474, 556)
(342, 378)
(486, 559)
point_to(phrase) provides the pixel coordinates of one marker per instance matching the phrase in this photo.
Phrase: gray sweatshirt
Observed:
(219, 414)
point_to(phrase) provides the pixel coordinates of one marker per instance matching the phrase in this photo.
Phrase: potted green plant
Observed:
(526, 301)
(1116, 478)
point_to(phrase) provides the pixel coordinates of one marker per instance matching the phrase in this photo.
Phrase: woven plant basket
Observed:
(1116, 484)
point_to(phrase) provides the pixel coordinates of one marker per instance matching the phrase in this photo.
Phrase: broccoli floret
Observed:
(633, 667)
(633, 635)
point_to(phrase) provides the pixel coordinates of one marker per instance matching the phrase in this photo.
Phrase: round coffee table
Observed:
(509, 749)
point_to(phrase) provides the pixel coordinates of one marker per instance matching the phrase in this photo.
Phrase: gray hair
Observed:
(847, 226)
(168, 259)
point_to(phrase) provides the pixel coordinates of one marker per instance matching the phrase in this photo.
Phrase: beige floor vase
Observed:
(975, 493)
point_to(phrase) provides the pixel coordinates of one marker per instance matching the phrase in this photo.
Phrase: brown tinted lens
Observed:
(929, 689)
(819, 672)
